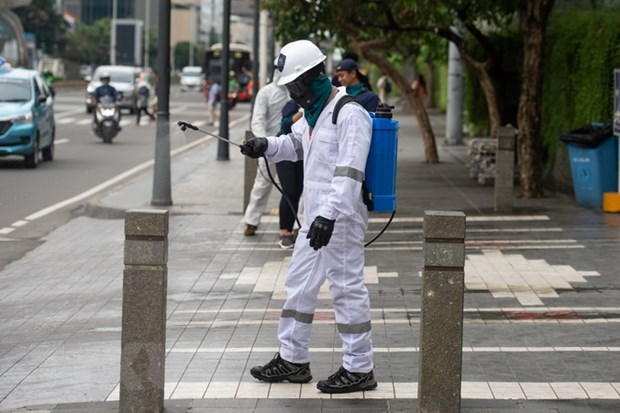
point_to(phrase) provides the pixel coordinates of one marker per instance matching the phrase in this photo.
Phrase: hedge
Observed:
(582, 50)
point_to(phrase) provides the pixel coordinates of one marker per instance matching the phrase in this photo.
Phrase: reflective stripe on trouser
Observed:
(342, 263)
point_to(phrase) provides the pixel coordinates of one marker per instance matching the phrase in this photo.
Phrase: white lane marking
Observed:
(414, 248)
(508, 310)
(133, 171)
(211, 323)
(246, 350)
(6, 230)
(65, 121)
(18, 224)
(178, 109)
(493, 390)
(469, 230)
(269, 219)
(470, 219)
(67, 113)
(61, 141)
(84, 122)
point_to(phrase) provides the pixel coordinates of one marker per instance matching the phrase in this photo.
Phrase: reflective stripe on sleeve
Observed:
(299, 150)
(349, 172)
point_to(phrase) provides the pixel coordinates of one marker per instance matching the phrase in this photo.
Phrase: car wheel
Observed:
(32, 160)
(48, 151)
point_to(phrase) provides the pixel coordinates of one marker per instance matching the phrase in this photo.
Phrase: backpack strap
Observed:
(343, 101)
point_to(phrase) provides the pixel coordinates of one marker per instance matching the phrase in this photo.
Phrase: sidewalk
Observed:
(541, 307)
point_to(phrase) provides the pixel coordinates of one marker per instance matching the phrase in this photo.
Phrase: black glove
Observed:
(320, 232)
(255, 147)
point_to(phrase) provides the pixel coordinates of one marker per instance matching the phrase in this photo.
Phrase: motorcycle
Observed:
(106, 119)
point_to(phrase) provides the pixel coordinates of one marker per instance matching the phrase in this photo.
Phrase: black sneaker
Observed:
(343, 381)
(278, 370)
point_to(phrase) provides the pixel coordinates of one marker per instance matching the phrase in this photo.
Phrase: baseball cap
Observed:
(347, 65)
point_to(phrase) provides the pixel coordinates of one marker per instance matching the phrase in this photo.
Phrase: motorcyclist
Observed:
(106, 89)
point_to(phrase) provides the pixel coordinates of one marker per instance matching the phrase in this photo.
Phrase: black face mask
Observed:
(301, 92)
(300, 89)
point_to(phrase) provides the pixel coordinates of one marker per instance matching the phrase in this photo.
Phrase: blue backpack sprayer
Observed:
(379, 184)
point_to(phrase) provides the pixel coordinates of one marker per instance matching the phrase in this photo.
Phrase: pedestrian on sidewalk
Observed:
(385, 87)
(349, 76)
(266, 121)
(291, 176)
(143, 96)
(213, 100)
(335, 223)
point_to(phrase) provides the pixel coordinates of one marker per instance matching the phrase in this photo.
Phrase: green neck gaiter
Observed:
(322, 88)
(355, 89)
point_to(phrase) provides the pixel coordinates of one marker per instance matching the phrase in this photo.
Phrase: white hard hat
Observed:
(296, 58)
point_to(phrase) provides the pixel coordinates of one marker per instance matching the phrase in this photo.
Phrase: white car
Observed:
(123, 78)
(191, 78)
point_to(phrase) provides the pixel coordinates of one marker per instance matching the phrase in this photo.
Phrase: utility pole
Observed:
(162, 193)
(113, 30)
(222, 147)
(147, 24)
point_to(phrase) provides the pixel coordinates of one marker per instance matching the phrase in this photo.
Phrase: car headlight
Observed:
(22, 118)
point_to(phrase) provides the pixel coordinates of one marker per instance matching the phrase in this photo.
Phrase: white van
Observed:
(191, 77)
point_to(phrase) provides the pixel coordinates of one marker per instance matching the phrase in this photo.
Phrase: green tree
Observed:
(48, 26)
(90, 43)
(182, 58)
(381, 27)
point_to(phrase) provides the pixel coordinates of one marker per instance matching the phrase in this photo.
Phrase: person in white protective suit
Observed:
(266, 119)
(335, 223)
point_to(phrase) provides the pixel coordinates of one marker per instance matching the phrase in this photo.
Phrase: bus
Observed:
(240, 67)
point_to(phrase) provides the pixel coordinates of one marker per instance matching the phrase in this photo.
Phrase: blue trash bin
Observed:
(593, 153)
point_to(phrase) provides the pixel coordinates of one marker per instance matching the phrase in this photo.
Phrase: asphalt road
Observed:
(82, 164)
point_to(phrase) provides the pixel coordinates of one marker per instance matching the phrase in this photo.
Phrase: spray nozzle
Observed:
(384, 111)
(185, 125)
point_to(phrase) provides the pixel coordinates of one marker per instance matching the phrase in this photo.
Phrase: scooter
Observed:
(106, 119)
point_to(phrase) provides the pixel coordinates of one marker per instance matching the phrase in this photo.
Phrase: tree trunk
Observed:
(490, 94)
(529, 143)
(428, 137)
(430, 84)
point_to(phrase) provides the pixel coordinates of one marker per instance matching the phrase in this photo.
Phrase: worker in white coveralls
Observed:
(335, 222)
(266, 119)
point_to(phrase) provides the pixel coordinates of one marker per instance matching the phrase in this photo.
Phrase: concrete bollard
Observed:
(250, 170)
(505, 168)
(143, 341)
(441, 324)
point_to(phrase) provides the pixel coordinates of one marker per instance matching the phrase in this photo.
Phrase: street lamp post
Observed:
(162, 193)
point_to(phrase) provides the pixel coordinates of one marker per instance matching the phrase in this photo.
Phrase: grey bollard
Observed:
(250, 170)
(505, 168)
(441, 324)
(143, 338)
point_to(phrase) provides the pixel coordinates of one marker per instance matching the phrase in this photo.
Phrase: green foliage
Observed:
(48, 26)
(90, 44)
(583, 49)
(181, 55)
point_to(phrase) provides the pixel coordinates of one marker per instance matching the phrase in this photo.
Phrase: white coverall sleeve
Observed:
(260, 114)
(354, 131)
(287, 147)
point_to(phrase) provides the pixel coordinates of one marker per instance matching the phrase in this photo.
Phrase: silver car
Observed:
(122, 78)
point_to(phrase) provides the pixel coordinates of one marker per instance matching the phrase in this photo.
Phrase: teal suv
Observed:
(27, 126)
